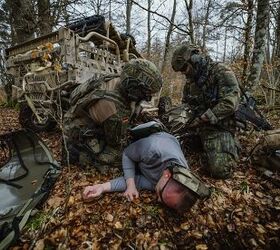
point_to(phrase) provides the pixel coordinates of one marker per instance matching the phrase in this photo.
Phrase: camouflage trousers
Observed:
(220, 151)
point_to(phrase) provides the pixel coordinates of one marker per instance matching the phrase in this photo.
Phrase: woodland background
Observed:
(243, 33)
(243, 212)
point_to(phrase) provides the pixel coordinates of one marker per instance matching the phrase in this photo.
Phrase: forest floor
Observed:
(242, 212)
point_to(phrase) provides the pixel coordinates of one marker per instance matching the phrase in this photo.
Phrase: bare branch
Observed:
(164, 17)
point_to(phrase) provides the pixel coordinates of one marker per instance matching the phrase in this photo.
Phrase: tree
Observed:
(128, 16)
(168, 36)
(149, 30)
(248, 43)
(45, 20)
(260, 42)
(22, 23)
(189, 7)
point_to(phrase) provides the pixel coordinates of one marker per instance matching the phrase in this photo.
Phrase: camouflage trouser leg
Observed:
(220, 151)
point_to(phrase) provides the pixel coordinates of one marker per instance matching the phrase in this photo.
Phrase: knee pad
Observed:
(220, 165)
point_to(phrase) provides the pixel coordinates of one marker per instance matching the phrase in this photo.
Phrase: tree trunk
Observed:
(225, 45)
(276, 49)
(128, 16)
(22, 20)
(110, 10)
(259, 47)
(149, 31)
(45, 23)
(248, 43)
(168, 36)
(189, 6)
(205, 23)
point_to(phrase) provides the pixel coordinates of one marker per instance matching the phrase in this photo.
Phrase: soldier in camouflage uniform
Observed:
(212, 93)
(101, 110)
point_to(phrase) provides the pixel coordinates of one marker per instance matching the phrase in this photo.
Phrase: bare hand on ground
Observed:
(91, 192)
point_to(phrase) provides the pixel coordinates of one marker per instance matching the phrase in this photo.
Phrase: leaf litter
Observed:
(242, 213)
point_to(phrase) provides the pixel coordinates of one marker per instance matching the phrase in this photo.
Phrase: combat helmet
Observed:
(183, 54)
(140, 79)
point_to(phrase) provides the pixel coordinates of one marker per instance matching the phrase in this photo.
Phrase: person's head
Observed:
(140, 79)
(185, 58)
(174, 194)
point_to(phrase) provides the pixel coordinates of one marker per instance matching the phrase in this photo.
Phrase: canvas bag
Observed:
(27, 174)
(189, 180)
(146, 129)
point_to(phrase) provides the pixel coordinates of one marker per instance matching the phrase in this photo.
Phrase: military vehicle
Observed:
(46, 69)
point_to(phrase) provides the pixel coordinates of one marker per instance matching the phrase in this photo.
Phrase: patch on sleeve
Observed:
(102, 110)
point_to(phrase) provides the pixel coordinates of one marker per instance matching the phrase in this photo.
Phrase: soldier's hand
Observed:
(199, 121)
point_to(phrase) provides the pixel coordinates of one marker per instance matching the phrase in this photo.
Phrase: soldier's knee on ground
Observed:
(221, 165)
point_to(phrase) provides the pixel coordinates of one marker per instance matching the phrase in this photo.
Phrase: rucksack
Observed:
(266, 153)
(146, 129)
(27, 173)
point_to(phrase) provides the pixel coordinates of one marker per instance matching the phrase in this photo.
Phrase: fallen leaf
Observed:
(71, 200)
(185, 226)
(109, 217)
(118, 225)
(201, 247)
(40, 245)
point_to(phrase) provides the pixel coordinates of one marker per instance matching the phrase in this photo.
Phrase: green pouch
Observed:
(27, 173)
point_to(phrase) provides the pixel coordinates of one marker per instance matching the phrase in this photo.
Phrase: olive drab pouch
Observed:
(189, 180)
(266, 154)
(146, 129)
(178, 118)
(27, 173)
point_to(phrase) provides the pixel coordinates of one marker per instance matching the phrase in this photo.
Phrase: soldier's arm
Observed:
(105, 113)
(228, 96)
(115, 130)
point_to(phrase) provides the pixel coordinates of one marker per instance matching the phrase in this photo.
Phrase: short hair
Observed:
(178, 197)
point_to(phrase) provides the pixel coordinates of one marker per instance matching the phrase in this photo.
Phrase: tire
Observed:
(27, 120)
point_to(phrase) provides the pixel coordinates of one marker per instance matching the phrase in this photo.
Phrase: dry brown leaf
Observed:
(230, 227)
(40, 245)
(201, 247)
(176, 229)
(196, 234)
(118, 225)
(71, 200)
(185, 226)
(260, 229)
(55, 201)
(109, 217)
(259, 194)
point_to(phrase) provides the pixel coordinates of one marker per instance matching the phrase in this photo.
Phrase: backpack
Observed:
(146, 129)
(27, 173)
(266, 153)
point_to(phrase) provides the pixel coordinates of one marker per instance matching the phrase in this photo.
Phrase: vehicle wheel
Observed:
(27, 119)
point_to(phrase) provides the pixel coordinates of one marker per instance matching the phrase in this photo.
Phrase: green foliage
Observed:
(11, 104)
(244, 186)
(37, 221)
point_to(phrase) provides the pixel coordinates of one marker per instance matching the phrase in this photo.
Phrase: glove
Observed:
(199, 121)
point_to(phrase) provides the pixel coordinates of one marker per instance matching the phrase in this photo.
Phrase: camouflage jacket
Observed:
(78, 119)
(219, 96)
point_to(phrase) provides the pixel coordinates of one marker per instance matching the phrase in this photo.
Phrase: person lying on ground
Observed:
(155, 163)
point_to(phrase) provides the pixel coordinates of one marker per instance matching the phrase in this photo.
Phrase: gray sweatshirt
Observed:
(144, 160)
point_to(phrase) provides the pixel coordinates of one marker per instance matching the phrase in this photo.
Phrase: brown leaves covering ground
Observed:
(242, 213)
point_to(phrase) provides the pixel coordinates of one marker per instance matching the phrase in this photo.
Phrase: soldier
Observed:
(212, 93)
(96, 123)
